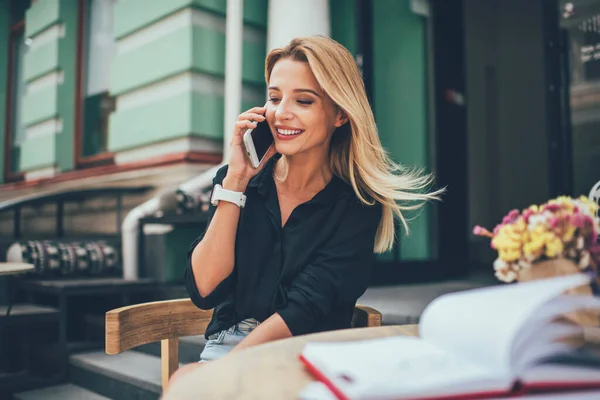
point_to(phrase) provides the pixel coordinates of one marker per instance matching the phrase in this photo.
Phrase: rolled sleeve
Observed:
(224, 288)
(339, 274)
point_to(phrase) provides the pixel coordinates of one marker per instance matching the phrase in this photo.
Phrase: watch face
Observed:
(212, 195)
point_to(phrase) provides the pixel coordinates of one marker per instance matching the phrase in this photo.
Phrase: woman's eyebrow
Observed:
(297, 90)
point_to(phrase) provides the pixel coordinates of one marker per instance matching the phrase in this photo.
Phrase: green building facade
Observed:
(89, 86)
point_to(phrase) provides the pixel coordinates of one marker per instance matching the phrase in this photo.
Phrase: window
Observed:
(14, 129)
(96, 49)
(580, 21)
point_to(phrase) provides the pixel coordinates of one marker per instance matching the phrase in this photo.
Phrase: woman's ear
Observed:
(341, 119)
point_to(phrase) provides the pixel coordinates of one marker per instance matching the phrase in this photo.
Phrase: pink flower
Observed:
(552, 207)
(497, 228)
(481, 231)
(582, 220)
(510, 217)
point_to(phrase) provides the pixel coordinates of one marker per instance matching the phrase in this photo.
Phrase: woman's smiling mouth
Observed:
(287, 133)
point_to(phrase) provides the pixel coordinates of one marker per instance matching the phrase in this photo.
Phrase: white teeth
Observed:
(289, 132)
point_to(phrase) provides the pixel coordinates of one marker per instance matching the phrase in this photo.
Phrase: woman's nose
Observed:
(282, 112)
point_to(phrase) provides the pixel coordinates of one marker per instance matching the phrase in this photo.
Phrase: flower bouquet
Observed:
(559, 237)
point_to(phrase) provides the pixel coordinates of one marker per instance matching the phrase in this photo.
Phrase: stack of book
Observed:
(495, 342)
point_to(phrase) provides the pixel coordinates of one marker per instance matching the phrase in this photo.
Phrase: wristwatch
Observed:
(218, 194)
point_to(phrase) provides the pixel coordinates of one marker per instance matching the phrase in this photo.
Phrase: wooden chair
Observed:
(167, 321)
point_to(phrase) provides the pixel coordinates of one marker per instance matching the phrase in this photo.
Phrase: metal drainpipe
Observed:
(233, 95)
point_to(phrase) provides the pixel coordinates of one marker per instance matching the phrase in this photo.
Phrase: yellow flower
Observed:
(509, 255)
(554, 247)
(592, 206)
(568, 233)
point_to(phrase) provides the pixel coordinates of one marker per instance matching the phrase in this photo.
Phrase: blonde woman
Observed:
(298, 255)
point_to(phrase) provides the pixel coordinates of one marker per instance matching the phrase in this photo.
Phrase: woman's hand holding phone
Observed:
(240, 169)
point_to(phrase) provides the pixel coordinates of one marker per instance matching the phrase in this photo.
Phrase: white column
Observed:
(233, 69)
(294, 18)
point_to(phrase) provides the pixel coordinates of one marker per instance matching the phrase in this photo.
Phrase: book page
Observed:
(544, 335)
(399, 367)
(481, 325)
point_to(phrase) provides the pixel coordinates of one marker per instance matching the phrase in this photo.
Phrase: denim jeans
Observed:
(223, 342)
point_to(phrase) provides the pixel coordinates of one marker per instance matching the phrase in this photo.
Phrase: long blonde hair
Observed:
(356, 153)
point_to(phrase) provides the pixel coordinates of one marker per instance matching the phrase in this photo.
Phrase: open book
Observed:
(482, 343)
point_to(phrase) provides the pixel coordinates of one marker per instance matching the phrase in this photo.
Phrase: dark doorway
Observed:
(451, 134)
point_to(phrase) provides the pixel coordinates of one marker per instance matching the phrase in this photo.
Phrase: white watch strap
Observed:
(219, 193)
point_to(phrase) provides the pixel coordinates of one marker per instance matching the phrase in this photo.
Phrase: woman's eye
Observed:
(305, 102)
(274, 100)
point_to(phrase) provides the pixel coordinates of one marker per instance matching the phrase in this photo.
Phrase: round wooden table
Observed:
(268, 371)
(15, 268)
(9, 269)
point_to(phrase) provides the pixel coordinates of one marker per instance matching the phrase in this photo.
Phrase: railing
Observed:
(60, 198)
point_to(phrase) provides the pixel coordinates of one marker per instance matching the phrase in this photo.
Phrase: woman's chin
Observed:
(285, 149)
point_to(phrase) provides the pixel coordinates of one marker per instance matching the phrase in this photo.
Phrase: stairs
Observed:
(66, 391)
(134, 374)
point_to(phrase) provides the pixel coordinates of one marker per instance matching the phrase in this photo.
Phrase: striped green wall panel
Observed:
(41, 60)
(217, 6)
(4, 20)
(343, 23)
(207, 115)
(248, 104)
(67, 53)
(158, 121)
(170, 55)
(40, 106)
(163, 57)
(38, 152)
(190, 113)
(253, 61)
(255, 12)
(41, 15)
(133, 15)
(208, 51)
(400, 94)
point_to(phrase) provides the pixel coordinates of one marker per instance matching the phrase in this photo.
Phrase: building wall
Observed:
(400, 101)
(507, 146)
(49, 73)
(168, 75)
(168, 80)
(4, 34)
(343, 24)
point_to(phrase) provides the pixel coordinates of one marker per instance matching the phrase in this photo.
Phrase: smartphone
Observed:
(257, 142)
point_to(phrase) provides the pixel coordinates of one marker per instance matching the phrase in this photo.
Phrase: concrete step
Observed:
(129, 375)
(189, 349)
(60, 392)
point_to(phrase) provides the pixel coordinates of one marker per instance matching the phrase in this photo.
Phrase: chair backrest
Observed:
(167, 321)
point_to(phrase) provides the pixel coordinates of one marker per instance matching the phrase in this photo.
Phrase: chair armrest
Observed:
(139, 324)
(365, 317)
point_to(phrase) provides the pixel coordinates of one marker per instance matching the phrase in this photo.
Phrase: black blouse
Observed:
(311, 271)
